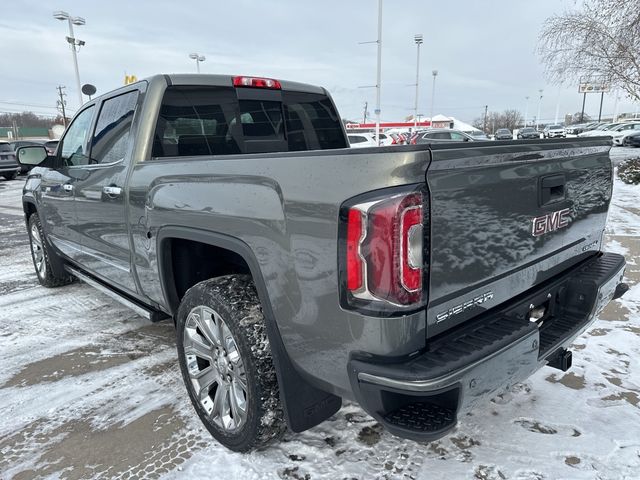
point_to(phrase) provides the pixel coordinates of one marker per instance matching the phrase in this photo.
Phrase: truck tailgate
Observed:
(508, 216)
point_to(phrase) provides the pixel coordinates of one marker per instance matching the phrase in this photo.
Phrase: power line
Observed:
(20, 104)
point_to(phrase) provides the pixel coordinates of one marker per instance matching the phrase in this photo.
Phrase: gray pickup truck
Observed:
(414, 280)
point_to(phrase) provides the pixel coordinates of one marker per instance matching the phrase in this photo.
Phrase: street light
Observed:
(418, 39)
(539, 105)
(73, 43)
(526, 111)
(433, 92)
(198, 59)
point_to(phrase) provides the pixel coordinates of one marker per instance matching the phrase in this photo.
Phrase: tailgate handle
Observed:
(552, 189)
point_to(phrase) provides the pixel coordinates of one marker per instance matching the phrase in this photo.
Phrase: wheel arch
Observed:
(304, 405)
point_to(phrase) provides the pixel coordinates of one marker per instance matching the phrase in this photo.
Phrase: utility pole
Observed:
(418, 39)
(62, 103)
(584, 100)
(484, 126)
(379, 72)
(364, 117)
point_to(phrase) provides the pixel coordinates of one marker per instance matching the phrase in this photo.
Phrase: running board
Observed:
(143, 311)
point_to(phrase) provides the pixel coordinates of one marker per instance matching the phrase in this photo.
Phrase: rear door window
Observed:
(111, 137)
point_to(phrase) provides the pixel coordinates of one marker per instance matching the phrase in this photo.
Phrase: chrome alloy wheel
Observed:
(37, 250)
(216, 371)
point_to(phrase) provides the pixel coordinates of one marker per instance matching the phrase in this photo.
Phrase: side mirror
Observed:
(31, 155)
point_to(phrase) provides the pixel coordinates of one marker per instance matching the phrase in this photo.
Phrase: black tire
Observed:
(41, 256)
(10, 176)
(234, 299)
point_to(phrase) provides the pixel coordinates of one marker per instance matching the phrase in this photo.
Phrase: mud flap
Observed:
(305, 406)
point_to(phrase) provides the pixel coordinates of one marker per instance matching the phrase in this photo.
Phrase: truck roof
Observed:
(216, 81)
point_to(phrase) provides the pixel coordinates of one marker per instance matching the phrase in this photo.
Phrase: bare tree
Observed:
(578, 117)
(510, 119)
(599, 41)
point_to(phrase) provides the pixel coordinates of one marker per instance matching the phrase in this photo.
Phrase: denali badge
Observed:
(550, 222)
(479, 300)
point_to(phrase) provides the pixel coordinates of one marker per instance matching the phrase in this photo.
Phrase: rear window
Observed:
(212, 121)
(5, 147)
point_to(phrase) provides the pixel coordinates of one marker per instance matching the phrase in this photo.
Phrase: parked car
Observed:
(51, 146)
(299, 274)
(362, 140)
(618, 133)
(479, 135)
(413, 138)
(23, 143)
(443, 135)
(9, 167)
(527, 133)
(554, 131)
(575, 129)
(631, 140)
(600, 130)
(503, 134)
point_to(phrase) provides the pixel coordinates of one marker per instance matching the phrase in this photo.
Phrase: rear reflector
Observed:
(257, 82)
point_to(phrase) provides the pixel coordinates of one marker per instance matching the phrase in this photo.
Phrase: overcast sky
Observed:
(484, 51)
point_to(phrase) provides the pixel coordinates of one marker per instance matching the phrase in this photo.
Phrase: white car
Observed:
(602, 130)
(621, 131)
(362, 140)
(554, 131)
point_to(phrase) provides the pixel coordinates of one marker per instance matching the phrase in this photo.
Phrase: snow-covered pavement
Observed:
(89, 389)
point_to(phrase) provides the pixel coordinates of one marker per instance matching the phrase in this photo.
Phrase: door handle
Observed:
(67, 187)
(552, 189)
(112, 191)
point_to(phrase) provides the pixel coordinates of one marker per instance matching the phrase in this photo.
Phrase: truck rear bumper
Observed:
(421, 397)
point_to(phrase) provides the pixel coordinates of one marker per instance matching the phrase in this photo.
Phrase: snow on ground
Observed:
(90, 390)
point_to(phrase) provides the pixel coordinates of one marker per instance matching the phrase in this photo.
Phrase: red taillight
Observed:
(257, 82)
(384, 250)
(354, 261)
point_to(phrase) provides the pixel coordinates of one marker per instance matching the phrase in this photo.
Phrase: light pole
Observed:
(433, 92)
(539, 105)
(379, 72)
(418, 39)
(73, 43)
(526, 111)
(198, 59)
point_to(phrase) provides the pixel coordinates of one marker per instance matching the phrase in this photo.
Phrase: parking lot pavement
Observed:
(89, 389)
